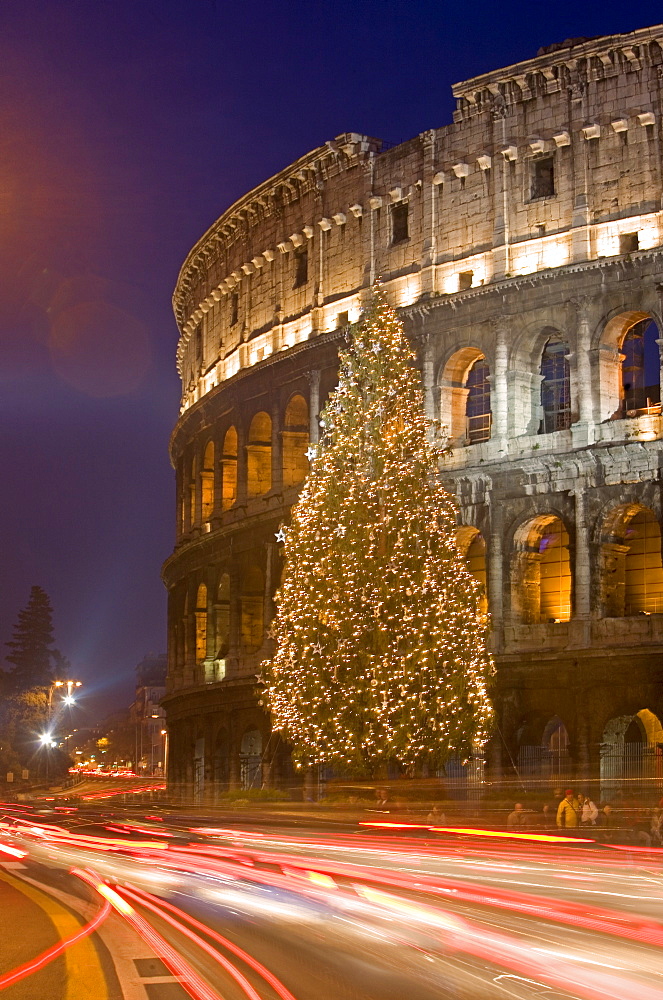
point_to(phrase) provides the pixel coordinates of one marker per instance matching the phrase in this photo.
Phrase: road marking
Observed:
(84, 975)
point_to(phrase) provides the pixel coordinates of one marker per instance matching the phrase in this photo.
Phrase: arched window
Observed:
(465, 397)
(201, 623)
(641, 389)
(477, 407)
(207, 482)
(295, 441)
(643, 572)
(541, 571)
(259, 456)
(555, 387)
(472, 547)
(229, 467)
(252, 609)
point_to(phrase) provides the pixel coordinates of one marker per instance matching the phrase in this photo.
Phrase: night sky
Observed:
(126, 128)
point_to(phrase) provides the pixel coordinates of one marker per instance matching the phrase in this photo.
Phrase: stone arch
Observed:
(252, 616)
(631, 762)
(543, 752)
(465, 397)
(207, 482)
(472, 547)
(541, 571)
(250, 759)
(229, 469)
(631, 568)
(259, 455)
(627, 379)
(295, 441)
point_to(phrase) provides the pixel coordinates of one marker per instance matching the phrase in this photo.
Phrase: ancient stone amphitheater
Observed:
(523, 246)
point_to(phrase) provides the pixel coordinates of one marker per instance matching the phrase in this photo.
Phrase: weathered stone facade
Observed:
(523, 246)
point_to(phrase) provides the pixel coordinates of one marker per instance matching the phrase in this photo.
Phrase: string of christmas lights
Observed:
(380, 639)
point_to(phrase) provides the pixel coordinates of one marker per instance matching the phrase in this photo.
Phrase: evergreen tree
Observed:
(30, 648)
(380, 640)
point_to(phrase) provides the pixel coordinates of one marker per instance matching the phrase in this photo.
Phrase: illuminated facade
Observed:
(523, 246)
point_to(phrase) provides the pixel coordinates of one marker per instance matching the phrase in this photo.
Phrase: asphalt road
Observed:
(156, 907)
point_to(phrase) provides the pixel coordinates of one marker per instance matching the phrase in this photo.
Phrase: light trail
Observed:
(159, 907)
(37, 963)
(194, 984)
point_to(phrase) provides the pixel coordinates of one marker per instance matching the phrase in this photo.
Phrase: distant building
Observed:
(147, 713)
(523, 247)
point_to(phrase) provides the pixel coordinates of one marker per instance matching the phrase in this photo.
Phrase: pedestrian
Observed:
(568, 811)
(382, 800)
(606, 817)
(517, 817)
(589, 811)
(436, 817)
(656, 826)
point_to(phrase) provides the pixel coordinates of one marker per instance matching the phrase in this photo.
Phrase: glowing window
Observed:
(477, 408)
(259, 455)
(555, 387)
(295, 441)
(643, 572)
(201, 623)
(555, 573)
(229, 466)
(207, 482)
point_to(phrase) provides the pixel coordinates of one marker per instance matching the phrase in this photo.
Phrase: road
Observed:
(152, 906)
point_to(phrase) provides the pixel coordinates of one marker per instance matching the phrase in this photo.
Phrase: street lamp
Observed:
(68, 698)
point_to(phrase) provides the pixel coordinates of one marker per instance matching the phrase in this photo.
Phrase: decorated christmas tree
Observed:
(380, 641)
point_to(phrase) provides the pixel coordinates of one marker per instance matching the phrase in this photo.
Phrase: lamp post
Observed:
(46, 739)
(164, 733)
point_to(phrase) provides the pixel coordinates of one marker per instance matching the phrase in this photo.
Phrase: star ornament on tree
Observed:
(311, 452)
(280, 535)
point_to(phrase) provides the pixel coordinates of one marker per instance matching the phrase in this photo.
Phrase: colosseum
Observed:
(523, 247)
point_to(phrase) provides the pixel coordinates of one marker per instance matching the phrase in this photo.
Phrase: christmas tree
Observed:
(380, 641)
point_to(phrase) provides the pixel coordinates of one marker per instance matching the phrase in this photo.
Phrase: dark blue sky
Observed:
(126, 128)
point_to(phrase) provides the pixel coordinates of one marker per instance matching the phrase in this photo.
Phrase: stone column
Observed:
(428, 198)
(234, 612)
(277, 458)
(313, 405)
(241, 461)
(582, 570)
(270, 548)
(498, 383)
(583, 361)
(427, 376)
(496, 572)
